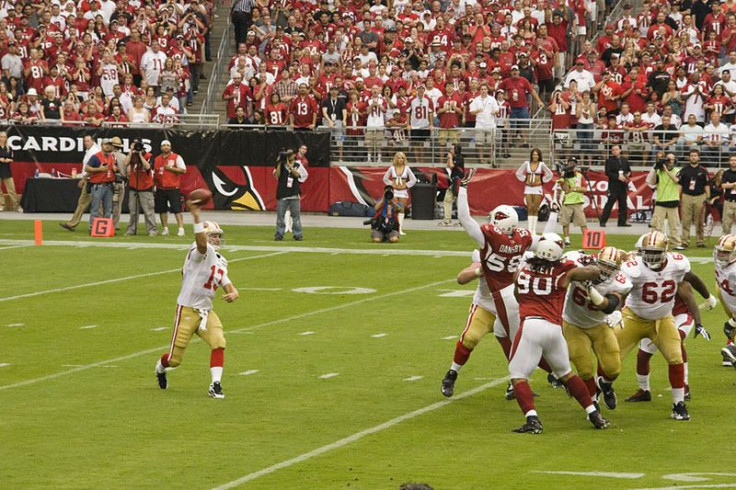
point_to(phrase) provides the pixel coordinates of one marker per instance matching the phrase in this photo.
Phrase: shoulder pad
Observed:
(680, 262)
(631, 268)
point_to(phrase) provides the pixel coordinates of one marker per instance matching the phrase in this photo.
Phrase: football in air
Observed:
(200, 196)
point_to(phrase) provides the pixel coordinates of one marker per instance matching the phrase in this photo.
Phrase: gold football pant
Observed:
(187, 324)
(663, 333)
(480, 322)
(602, 341)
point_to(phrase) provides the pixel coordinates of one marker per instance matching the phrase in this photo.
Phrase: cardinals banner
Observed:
(237, 166)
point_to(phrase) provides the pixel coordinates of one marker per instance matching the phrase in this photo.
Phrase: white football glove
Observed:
(614, 319)
(711, 302)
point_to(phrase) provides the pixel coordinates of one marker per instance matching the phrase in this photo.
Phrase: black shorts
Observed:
(420, 134)
(167, 200)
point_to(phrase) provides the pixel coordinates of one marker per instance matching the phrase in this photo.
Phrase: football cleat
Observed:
(640, 396)
(598, 421)
(729, 355)
(215, 390)
(679, 411)
(532, 426)
(163, 382)
(448, 383)
(609, 396)
(687, 392)
(554, 382)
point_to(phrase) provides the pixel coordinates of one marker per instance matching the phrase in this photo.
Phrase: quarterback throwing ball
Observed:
(204, 271)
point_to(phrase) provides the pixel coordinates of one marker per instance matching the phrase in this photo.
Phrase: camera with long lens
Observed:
(660, 164)
(136, 146)
(388, 194)
(284, 155)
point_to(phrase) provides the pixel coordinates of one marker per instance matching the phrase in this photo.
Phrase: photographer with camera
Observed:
(290, 174)
(140, 186)
(385, 223)
(663, 177)
(574, 185)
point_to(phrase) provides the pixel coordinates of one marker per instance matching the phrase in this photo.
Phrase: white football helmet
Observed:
(504, 218)
(653, 249)
(609, 261)
(725, 250)
(214, 234)
(550, 247)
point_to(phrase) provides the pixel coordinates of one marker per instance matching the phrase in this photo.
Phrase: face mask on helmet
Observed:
(725, 251)
(653, 258)
(214, 234)
(609, 262)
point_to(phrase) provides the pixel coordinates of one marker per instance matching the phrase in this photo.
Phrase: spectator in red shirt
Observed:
(517, 90)
(303, 110)
(450, 110)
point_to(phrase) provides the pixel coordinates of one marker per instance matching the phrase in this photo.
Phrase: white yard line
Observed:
(121, 279)
(254, 327)
(16, 246)
(251, 248)
(357, 436)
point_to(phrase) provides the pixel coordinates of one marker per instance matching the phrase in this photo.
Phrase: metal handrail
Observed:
(214, 81)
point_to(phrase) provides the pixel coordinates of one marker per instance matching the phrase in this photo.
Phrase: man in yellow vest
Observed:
(574, 186)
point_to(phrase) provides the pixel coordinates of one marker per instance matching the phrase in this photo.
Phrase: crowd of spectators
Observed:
(677, 56)
(90, 62)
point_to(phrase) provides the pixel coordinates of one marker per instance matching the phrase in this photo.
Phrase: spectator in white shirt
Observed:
(585, 79)
(485, 108)
(691, 135)
(715, 141)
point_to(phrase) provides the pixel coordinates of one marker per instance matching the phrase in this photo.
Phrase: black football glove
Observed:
(700, 330)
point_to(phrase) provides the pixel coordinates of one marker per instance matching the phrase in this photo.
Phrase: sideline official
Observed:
(85, 198)
(168, 168)
(695, 191)
(101, 169)
(618, 172)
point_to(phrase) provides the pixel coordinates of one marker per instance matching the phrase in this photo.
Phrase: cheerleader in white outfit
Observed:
(401, 178)
(534, 173)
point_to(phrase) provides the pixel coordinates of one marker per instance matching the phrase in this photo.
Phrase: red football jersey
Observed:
(541, 293)
(501, 255)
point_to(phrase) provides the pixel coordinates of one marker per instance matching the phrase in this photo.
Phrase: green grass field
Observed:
(334, 387)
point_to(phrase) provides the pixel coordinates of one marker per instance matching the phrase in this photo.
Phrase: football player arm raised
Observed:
(473, 271)
(200, 237)
(470, 226)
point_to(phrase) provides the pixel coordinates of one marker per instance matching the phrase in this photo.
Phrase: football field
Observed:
(335, 354)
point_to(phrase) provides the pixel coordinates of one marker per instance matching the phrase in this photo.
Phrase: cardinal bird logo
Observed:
(233, 189)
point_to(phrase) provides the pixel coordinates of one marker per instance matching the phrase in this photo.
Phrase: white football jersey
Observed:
(482, 296)
(726, 282)
(577, 309)
(201, 276)
(653, 294)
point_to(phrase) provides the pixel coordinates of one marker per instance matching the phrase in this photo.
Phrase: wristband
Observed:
(732, 322)
(595, 297)
(198, 228)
